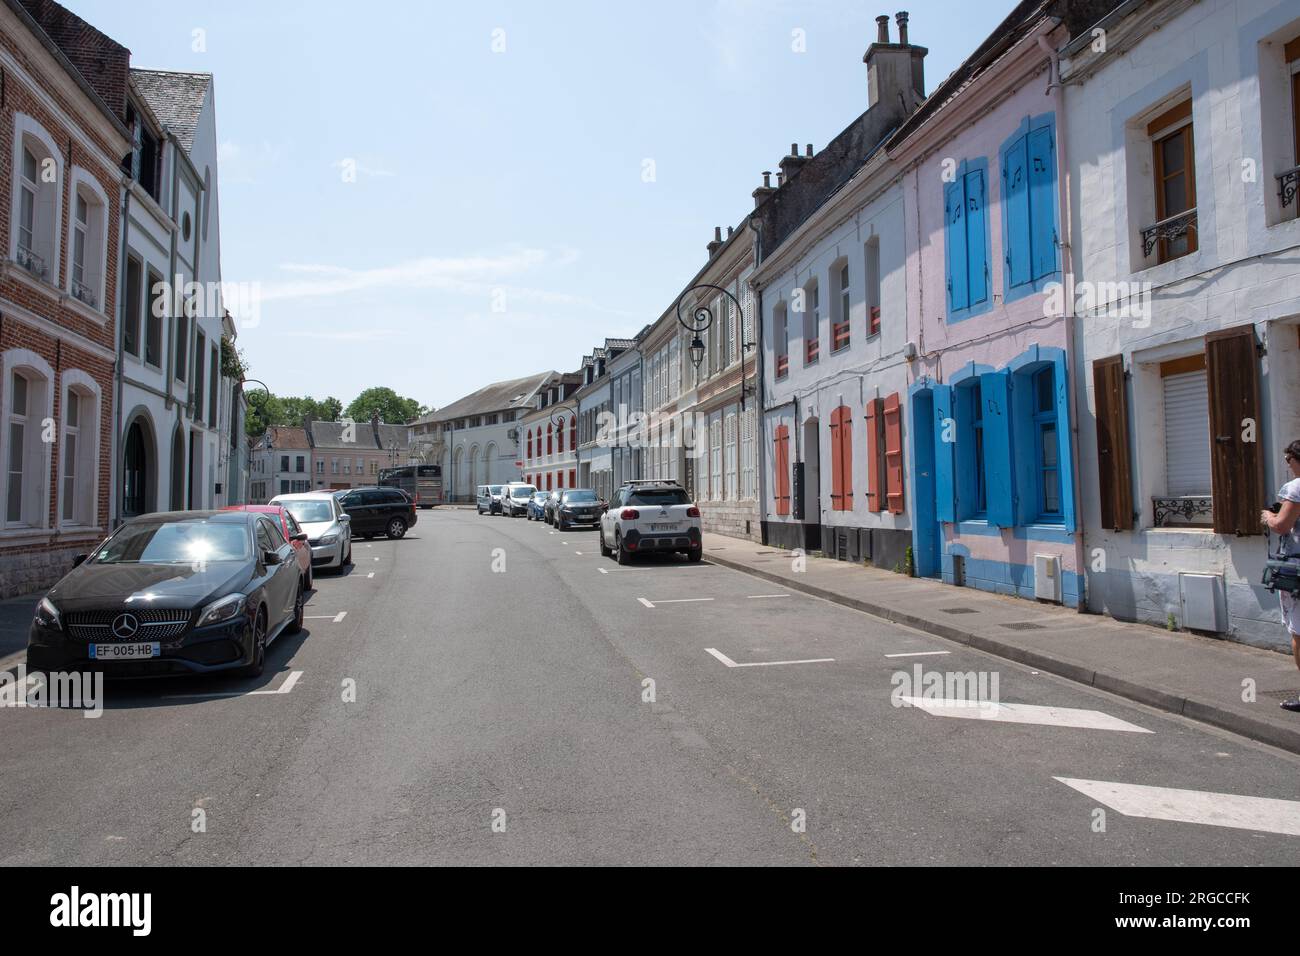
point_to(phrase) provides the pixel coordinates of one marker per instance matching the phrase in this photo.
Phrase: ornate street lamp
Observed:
(701, 319)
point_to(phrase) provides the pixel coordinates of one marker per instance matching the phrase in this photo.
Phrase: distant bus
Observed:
(421, 482)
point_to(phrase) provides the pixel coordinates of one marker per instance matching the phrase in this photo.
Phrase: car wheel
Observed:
(347, 558)
(560, 525)
(311, 579)
(620, 553)
(396, 529)
(259, 647)
(298, 610)
(605, 551)
(695, 555)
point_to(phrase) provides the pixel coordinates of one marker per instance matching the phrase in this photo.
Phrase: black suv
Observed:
(373, 511)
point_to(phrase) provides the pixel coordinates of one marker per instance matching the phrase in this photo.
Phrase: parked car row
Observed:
(642, 516)
(202, 592)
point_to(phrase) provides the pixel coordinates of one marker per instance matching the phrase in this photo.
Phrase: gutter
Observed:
(117, 474)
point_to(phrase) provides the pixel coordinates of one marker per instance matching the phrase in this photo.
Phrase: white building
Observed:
(175, 412)
(481, 434)
(1182, 136)
(281, 464)
(549, 446)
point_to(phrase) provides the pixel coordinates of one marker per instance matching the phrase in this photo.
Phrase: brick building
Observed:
(62, 102)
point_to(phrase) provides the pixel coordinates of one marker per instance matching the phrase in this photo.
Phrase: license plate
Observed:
(123, 652)
(585, 518)
(673, 526)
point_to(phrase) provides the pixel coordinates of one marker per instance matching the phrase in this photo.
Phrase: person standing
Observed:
(1285, 523)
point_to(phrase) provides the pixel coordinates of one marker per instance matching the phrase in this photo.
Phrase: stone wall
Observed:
(730, 518)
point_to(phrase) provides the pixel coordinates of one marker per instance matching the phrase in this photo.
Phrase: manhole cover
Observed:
(1280, 695)
(1023, 626)
(959, 610)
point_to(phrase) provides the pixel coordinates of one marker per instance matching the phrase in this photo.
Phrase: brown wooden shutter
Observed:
(837, 464)
(875, 454)
(894, 454)
(1114, 468)
(1236, 465)
(781, 465)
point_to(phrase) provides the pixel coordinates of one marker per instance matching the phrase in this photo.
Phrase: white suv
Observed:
(650, 516)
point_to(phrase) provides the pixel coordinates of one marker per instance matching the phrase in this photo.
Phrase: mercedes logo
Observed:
(125, 626)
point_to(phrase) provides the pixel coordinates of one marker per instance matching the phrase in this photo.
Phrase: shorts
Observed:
(1290, 612)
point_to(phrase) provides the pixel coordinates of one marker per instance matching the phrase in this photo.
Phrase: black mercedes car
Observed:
(181, 592)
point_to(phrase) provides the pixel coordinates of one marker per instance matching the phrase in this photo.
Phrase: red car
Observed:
(292, 533)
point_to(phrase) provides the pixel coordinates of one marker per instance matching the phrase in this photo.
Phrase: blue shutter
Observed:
(1066, 463)
(995, 389)
(954, 205)
(945, 490)
(1015, 177)
(976, 250)
(1042, 201)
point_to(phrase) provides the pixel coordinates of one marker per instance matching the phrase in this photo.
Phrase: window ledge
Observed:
(70, 301)
(18, 535)
(10, 269)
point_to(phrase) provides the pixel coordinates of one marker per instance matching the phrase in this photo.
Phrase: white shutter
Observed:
(1187, 433)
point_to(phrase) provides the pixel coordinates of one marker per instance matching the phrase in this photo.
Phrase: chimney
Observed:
(762, 192)
(716, 244)
(895, 70)
(794, 162)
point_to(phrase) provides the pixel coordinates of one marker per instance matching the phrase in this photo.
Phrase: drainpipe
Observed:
(760, 418)
(117, 473)
(1057, 91)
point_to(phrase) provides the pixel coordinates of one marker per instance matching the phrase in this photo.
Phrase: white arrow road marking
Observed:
(919, 654)
(1194, 806)
(284, 688)
(1023, 714)
(730, 663)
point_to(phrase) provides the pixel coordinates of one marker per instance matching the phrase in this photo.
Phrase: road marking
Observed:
(1022, 714)
(336, 618)
(673, 601)
(753, 597)
(645, 602)
(577, 552)
(284, 688)
(919, 654)
(340, 616)
(730, 663)
(1193, 806)
(371, 574)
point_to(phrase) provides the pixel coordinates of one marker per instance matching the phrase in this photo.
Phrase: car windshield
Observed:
(522, 492)
(649, 497)
(580, 497)
(176, 542)
(309, 512)
(494, 489)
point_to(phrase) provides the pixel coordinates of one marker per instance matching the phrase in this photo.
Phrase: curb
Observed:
(1151, 695)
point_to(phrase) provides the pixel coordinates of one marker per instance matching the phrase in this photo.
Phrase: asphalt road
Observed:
(500, 717)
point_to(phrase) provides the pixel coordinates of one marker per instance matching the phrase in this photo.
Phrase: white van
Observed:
(515, 497)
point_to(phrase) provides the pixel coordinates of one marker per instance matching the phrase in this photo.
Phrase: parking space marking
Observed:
(672, 601)
(284, 688)
(371, 574)
(919, 654)
(645, 602)
(336, 618)
(730, 663)
(1022, 714)
(755, 597)
(1264, 814)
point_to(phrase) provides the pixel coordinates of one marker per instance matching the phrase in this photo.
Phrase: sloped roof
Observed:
(392, 434)
(175, 98)
(284, 436)
(497, 397)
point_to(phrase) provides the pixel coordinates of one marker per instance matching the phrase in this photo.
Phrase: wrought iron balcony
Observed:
(32, 262)
(82, 292)
(1288, 183)
(1192, 509)
(1166, 230)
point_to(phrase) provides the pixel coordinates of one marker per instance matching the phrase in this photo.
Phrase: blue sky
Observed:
(492, 179)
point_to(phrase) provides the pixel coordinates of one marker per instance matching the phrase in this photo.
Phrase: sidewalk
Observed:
(15, 622)
(1198, 677)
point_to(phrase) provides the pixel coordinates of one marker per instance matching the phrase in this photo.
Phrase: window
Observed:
(214, 382)
(88, 242)
(36, 200)
(284, 462)
(18, 435)
(573, 433)
(1047, 446)
(811, 323)
(284, 487)
(1174, 233)
(1029, 236)
(134, 303)
(334, 466)
(320, 467)
(781, 322)
(971, 486)
(731, 477)
(781, 468)
(873, 286)
(199, 354)
(966, 250)
(1185, 391)
(153, 344)
(559, 438)
(76, 459)
(300, 463)
(361, 466)
(183, 339)
(840, 325)
(748, 464)
(715, 457)
(842, 459)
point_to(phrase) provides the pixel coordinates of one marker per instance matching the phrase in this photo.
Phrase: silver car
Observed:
(328, 527)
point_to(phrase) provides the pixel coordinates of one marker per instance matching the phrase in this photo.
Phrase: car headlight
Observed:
(47, 614)
(222, 610)
(330, 538)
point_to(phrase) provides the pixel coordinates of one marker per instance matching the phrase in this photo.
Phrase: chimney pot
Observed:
(794, 149)
(717, 233)
(767, 179)
(730, 230)
(901, 17)
(780, 179)
(882, 29)
(809, 151)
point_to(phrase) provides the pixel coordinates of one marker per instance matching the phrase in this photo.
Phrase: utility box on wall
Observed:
(1203, 602)
(796, 492)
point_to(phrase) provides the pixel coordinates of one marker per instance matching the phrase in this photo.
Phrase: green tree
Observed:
(264, 410)
(392, 408)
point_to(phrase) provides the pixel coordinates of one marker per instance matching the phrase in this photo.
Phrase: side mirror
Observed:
(77, 560)
(345, 517)
(300, 536)
(270, 557)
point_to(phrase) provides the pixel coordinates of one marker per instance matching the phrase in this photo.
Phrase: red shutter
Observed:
(559, 438)
(573, 478)
(894, 454)
(846, 457)
(530, 443)
(573, 433)
(1114, 481)
(781, 463)
(837, 464)
(875, 455)
(1236, 465)
(549, 439)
